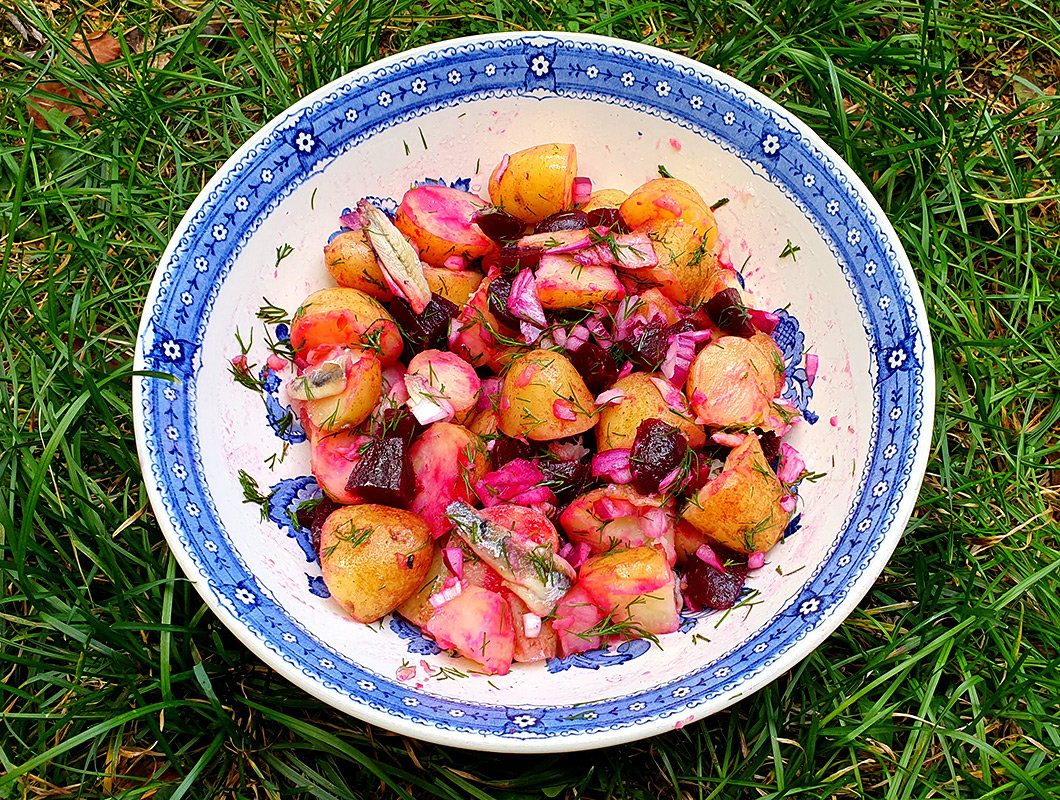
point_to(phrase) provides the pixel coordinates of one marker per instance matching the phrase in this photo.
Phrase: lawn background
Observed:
(116, 680)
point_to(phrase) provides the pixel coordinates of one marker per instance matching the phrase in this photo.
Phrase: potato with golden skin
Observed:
(604, 198)
(418, 608)
(455, 285)
(741, 509)
(543, 397)
(667, 199)
(438, 221)
(634, 585)
(351, 261)
(643, 400)
(733, 382)
(535, 182)
(345, 317)
(687, 269)
(373, 558)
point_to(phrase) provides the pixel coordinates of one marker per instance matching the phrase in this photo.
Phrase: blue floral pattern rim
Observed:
(536, 67)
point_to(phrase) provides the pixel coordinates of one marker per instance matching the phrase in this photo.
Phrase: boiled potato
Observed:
(733, 382)
(637, 585)
(455, 285)
(351, 261)
(741, 509)
(670, 198)
(437, 219)
(374, 558)
(351, 406)
(543, 397)
(604, 198)
(687, 270)
(418, 608)
(619, 423)
(535, 182)
(343, 316)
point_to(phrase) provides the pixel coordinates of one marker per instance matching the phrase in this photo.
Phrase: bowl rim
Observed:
(579, 740)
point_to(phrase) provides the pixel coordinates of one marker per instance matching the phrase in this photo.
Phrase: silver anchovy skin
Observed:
(539, 583)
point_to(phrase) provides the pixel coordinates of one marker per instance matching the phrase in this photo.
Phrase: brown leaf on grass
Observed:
(101, 47)
(98, 46)
(83, 106)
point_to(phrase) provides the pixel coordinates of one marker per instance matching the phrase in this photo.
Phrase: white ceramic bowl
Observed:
(450, 111)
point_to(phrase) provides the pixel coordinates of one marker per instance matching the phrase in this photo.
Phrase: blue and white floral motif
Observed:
(794, 525)
(418, 643)
(662, 88)
(797, 386)
(454, 77)
(592, 71)
(696, 102)
(490, 70)
(385, 99)
(628, 80)
(540, 69)
(605, 657)
(419, 86)
(282, 509)
(317, 586)
(810, 606)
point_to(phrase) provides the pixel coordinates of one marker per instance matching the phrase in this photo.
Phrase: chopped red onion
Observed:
(455, 262)
(610, 397)
(531, 625)
(427, 411)
(655, 523)
(667, 203)
(562, 409)
(440, 598)
(501, 168)
(671, 395)
(565, 550)
(488, 393)
(727, 439)
(787, 503)
(626, 250)
(596, 326)
(678, 359)
(765, 321)
(580, 555)
(454, 559)
(583, 188)
(756, 560)
(627, 369)
(559, 336)
(577, 337)
(705, 554)
(569, 451)
(613, 464)
(792, 466)
(531, 333)
(523, 302)
(514, 478)
(353, 219)
(811, 368)
(672, 481)
(609, 508)
(538, 494)
(274, 362)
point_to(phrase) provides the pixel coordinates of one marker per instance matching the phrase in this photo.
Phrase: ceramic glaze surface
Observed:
(448, 113)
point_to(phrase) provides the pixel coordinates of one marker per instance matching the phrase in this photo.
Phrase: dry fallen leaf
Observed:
(102, 47)
(99, 46)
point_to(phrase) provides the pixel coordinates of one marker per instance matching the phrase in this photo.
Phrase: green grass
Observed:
(115, 681)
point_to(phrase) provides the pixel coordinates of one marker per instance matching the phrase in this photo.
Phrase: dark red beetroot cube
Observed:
(384, 474)
(505, 449)
(497, 295)
(313, 518)
(709, 588)
(396, 422)
(563, 221)
(426, 329)
(510, 259)
(595, 365)
(649, 349)
(770, 443)
(658, 450)
(727, 311)
(498, 225)
(565, 478)
(609, 218)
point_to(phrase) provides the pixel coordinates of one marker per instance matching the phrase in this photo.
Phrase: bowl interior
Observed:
(805, 235)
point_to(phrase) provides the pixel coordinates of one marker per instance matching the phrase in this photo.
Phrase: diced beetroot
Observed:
(499, 291)
(429, 328)
(506, 449)
(657, 450)
(396, 422)
(565, 478)
(770, 443)
(314, 518)
(708, 588)
(478, 624)
(649, 348)
(727, 310)
(511, 258)
(498, 225)
(384, 474)
(608, 218)
(575, 615)
(595, 365)
(563, 221)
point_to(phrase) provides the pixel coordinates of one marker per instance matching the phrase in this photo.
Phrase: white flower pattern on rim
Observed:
(662, 88)
(454, 77)
(266, 175)
(385, 99)
(172, 351)
(880, 489)
(419, 86)
(525, 721)
(809, 180)
(809, 606)
(219, 232)
(771, 145)
(890, 451)
(242, 204)
(897, 358)
(539, 66)
(628, 79)
(245, 596)
(696, 102)
(592, 71)
(305, 142)
(491, 70)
